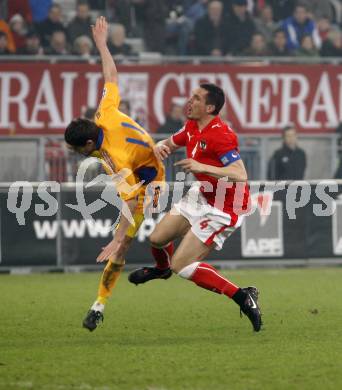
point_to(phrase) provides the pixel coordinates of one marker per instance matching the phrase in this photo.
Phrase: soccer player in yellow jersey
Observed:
(122, 145)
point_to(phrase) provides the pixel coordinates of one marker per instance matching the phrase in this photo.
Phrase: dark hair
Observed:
(81, 130)
(3, 34)
(127, 103)
(55, 5)
(89, 113)
(305, 36)
(82, 2)
(287, 128)
(301, 5)
(279, 30)
(215, 97)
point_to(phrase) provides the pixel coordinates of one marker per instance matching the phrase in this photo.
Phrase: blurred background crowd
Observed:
(309, 28)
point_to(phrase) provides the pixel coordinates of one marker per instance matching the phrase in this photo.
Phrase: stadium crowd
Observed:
(174, 27)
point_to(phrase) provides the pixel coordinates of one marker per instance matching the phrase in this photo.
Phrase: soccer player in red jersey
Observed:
(213, 207)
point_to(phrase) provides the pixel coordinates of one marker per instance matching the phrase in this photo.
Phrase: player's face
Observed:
(197, 107)
(85, 150)
(290, 138)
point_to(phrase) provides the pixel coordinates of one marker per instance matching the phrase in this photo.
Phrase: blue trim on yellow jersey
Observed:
(99, 140)
(147, 174)
(138, 142)
(130, 126)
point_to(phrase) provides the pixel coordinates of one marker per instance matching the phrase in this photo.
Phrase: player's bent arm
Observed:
(235, 171)
(164, 148)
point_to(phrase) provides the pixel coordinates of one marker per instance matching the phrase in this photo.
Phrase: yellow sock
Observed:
(108, 281)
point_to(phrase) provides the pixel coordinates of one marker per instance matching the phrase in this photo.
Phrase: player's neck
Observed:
(203, 122)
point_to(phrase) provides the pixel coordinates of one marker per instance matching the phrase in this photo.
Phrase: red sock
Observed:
(207, 277)
(162, 256)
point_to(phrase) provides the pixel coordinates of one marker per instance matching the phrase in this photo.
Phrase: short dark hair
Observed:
(301, 5)
(3, 34)
(89, 113)
(81, 130)
(279, 31)
(215, 97)
(288, 128)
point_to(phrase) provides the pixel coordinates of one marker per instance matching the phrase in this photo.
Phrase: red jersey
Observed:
(216, 145)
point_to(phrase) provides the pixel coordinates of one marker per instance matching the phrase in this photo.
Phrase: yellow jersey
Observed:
(124, 145)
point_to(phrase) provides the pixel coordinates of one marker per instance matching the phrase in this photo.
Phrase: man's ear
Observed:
(210, 108)
(90, 142)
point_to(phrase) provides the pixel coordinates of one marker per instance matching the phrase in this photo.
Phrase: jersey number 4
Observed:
(204, 224)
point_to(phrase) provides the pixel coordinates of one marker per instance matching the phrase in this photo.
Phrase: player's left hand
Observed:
(107, 252)
(100, 31)
(190, 165)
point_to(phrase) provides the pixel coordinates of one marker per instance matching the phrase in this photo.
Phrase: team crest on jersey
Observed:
(104, 92)
(98, 114)
(203, 145)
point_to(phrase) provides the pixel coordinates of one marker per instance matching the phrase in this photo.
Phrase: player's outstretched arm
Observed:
(164, 148)
(100, 35)
(117, 247)
(235, 172)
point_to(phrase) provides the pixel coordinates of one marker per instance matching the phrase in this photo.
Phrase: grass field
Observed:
(171, 334)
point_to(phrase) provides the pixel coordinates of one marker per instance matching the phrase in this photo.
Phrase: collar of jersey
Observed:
(215, 120)
(99, 140)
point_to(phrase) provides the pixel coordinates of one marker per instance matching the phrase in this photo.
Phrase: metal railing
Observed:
(156, 58)
(39, 158)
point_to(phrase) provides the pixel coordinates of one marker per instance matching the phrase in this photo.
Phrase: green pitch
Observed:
(169, 335)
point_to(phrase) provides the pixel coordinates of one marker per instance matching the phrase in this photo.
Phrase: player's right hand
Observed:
(161, 150)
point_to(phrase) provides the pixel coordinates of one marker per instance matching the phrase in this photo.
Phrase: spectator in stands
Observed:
(240, 28)
(324, 26)
(258, 46)
(19, 30)
(4, 44)
(307, 48)
(195, 10)
(151, 15)
(332, 46)
(174, 120)
(125, 107)
(117, 44)
(32, 45)
(89, 113)
(21, 7)
(288, 162)
(319, 8)
(40, 9)
(282, 9)
(51, 24)
(297, 26)
(210, 31)
(122, 11)
(58, 44)
(178, 29)
(278, 47)
(265, 23)
(83, 47)
(80, 25)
